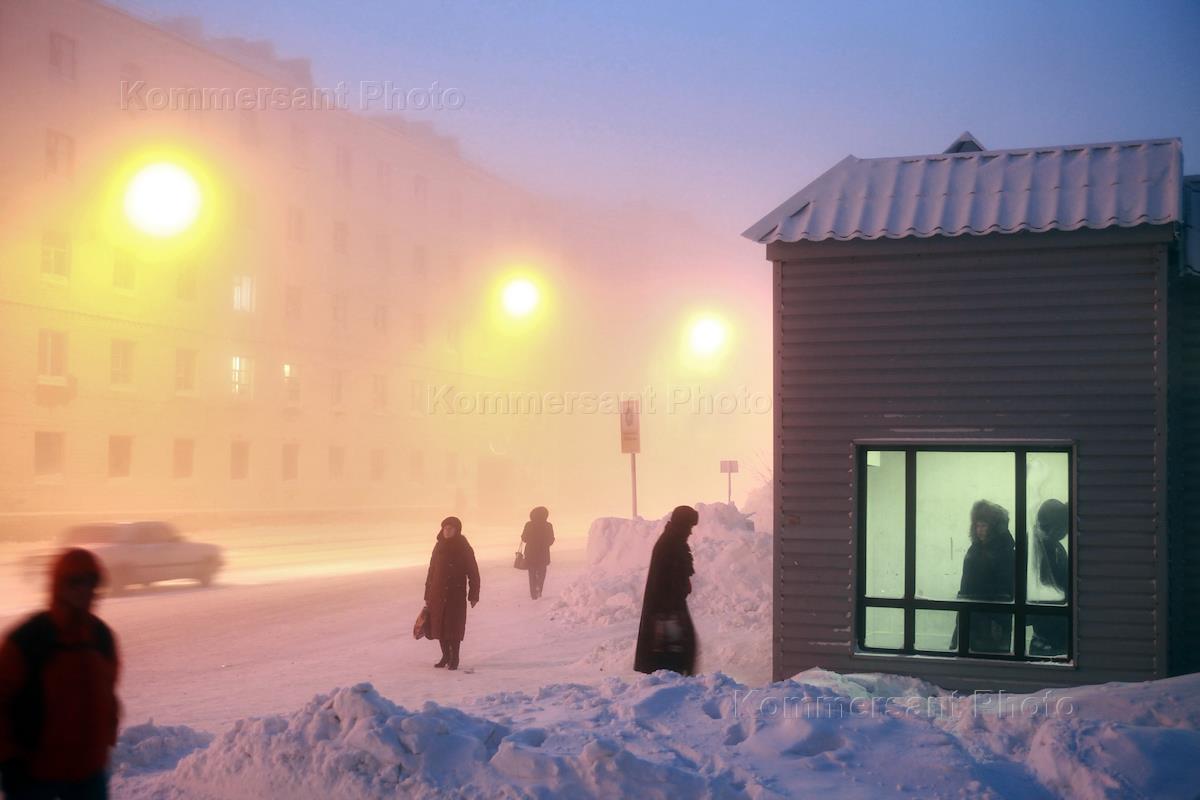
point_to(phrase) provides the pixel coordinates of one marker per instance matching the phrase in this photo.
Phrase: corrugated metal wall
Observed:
(1184, 475)
(1005, 338)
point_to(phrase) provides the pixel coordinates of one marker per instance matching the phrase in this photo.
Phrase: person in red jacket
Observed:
(58, 702)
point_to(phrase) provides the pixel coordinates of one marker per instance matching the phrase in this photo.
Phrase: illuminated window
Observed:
(243, 293)
(290, 465)
(239, 460)
(183, 458)
(52, 356)
(60, 155)
(291, 384)
(120, 456)
(48, 449)
(960, 547)
(56, 254)
(121, 362)
(62, 56)
(242, 376)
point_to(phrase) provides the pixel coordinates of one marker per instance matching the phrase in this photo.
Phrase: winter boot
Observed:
(453, 647)
(445, 655)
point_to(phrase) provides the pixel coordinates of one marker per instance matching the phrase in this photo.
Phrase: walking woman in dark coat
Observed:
(537, 536)
(666, 636)
(1052, 564)
(452, 582)
(989, 568)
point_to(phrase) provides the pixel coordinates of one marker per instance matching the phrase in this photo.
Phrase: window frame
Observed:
(1020, 608)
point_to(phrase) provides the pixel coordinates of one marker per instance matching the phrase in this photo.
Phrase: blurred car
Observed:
(137, 553)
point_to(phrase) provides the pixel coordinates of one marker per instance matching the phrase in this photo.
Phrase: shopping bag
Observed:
(421, 628)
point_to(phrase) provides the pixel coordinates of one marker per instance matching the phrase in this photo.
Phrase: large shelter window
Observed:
(965, 551)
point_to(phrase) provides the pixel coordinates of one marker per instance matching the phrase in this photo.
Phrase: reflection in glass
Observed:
(1047, 490)
(885, 628)
(935, 629)
(1046, 636)
(949, 487)
(885, 524)
(991, 632)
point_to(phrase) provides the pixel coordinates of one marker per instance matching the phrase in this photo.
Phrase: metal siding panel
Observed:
(853, 364)
(1184, 471)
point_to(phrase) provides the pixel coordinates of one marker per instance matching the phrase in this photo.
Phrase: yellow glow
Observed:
(520, 297)
(707, 337)
(163, 199)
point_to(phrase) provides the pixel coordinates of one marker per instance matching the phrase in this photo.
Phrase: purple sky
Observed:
(720, 110)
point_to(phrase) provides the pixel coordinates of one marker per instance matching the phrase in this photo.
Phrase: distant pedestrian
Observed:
(666, 637)
(537, 536)
(58, 703)
(1051, 564)
(452, 582)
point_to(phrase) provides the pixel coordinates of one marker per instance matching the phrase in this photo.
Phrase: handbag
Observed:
(519, 561)
(422, 627)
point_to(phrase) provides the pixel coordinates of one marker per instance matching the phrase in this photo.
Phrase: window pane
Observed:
(885, 628)
(935, 630)
(1047, 488)
(965, 548)
(991, 633)
(885, 524)
(1046, 636)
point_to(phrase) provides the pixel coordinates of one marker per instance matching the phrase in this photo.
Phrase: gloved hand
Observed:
(14, 776)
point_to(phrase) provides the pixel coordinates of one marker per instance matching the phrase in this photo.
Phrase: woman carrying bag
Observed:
(537, 538)
(452, 582)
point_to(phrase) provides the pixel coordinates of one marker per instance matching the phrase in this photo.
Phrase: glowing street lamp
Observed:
(520, 297)
(162, 200)
(707, 337)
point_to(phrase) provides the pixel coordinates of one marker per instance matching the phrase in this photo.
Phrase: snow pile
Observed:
(760, 506)
(150, 747)
(730, 600)
(665, 736)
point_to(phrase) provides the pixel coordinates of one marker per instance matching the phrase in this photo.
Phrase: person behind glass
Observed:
(452, 582)
(987, 574)
(1050, 560)
(666, 637)
(537, 536)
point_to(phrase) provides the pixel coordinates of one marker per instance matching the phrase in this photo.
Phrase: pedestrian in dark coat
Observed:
(1050, 559)
(452, 582)
(58, 702)
(537, 536)
(989, 568)
(666, 636)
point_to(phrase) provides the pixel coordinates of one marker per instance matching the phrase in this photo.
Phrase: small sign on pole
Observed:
(728, 468)
(631, 441)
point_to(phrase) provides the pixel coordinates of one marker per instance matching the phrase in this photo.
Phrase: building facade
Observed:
(981, 372)
(280, 360)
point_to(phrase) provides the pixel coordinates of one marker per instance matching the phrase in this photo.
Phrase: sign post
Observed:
(631, 441)
(729, 467)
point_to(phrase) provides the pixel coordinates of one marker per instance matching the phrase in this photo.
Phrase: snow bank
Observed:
(730, 601)
(760, 506)
(665, 736)
(150, 747)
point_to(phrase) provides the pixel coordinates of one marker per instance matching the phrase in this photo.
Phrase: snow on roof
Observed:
(986, 191)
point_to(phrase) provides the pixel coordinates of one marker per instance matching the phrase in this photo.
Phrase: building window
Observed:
(242, 375)
(120, 456)
(56, 254)
(378, 465)
(343, 165)
(124, 275)
(290, 465)
(337, 380)
(243, 293)
(239, 460)
(48, 451)
(60, 155)
(183, 457)
(295, 225)
(291, 384)
(62, 56)
(52, 356)
(960, 547)
(379, 392)
(341, 237)
(337, 461)
(121, 362)
(185, 370)
(340, 313)
(381, 319)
